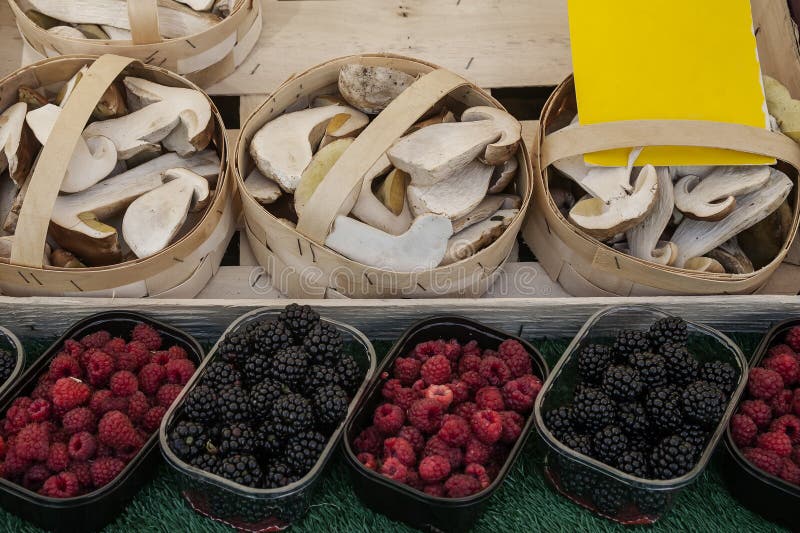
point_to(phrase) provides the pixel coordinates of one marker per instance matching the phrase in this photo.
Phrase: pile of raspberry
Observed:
(766, 427)
(450, 417)
(92, 412)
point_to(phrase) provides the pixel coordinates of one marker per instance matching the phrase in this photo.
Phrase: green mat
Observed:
(523, 503)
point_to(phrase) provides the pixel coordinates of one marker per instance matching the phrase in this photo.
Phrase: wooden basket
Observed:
(203, 58)
(179, 271)
(300, 265)
(586, 267)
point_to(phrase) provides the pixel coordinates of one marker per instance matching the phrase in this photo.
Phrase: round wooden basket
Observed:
(179, 271)
(203, 58)
(586, 267)
(300, 265)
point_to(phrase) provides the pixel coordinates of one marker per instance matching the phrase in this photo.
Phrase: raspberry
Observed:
(99, 367)
(790, 472)
(167, 394)
(766, 460)
(388, 419)
(23, 402)
(114, 346)
(413, 480)
(125, 361)
(96, 339)
(103, 401)
(419, 387)
(17, 417)
(782, 403)
(404, 398)
(177, 352)
(33, 442)
(513, 423)
(758, 411)
(39, 410)
(139, 351)
(399, 449)
(160, 357)
(63, 485)
(743, 430)
(406, 369)
(519, 394)
(455, 431)
(14, 465)
(152, 419)
(104, 470)
(781, 349)
(469, 363)
(461, 485)
(43, 390)
(466, 410)
(82, 446)
(778, 443)
(434, 468)
(394, 469)
(390, 388)
(793, 338)
(478, 472)
(474, 380)
(73, 348)
(137, 406)
(436, 446)
(57, 457)
(64, 366)
(151, 377)
(123, 383)
(487, 426)
(35, 476)
(426, 415)
(82, 471)
(116, 430)
(436, 370)
(796, 454)
(786, 365)
(127, 453)
(796, 402)
(69, 393)
(490, 398)
(368, 441)
(440, 393)
(460, 391)
(516, 357)
(494, 370)
(764, 383)
(78, 420)
(788, 424)
(3, 447)
(147, 335)
(413, 436)
(179, 371)
(368, 460)
(425, 350)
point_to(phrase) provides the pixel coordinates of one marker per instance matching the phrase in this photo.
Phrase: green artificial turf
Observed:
(523, 503)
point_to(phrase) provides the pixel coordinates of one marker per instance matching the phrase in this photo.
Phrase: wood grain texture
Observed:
(10, 41)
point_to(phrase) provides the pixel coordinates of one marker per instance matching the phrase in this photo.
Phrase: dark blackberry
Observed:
(270, 437)
(682, 368)
(633, 463)
(608, 498)
(593, 361)
(579, 443)
(622, 383)
(670, 329)
(348, 374)
(672, 458)
(560, 421)
(652, 368)
(241, 469)
(256, 367)
(632, 418)
(220, 375)
(294, 411)
(721, 374)
(278, 475)
(236, 438)
(608, 444)
(695, 435)
(629, 342)
(578, 480)
(704, 403)
(650, 502)
(234, 405)
(300, 319)
(640, 443)
(206, 462)
(592, 409)
(187, 439)
(201, 404)
(288, 366)
(264, 394)
(318, 376)
(234, 348)
(303, 450)
(330, 405)
(663, 406)
(8, 361)
(269, 337)
(323, 343)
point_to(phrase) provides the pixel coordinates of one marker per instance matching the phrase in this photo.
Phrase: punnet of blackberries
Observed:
(268, 401)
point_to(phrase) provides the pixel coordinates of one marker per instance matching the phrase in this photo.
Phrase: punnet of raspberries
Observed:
(450, 416)
(766, 427)
(90, 413)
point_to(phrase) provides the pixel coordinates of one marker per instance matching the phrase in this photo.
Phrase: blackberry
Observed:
(288, 366)
(264, 394)
(220, 375)
(234, 349)
(622, 383)
(694, 435)
(257, 367)
(578, 480)
(278, 475)
(682, 368)
(640, 443)
(348, 374)
(294, 411)
(649, 502)
(721, 374)
(271, 336)
(270, 437)
(241, 469)
(234, 405)
(672, 457)
(633, 463)
(703, 403)
(318, 376)
(236, 438)
(608, 498)
(670, 329)
(323, 344)
(188, 439)
(593, 361)
(206, 462)
(560, 421)
(593, 409)
(663, 406)
(629, 342)
(201, 404)
(300, 319)
(8, 361)
(608, 444)
(330, 405)
(579, 443)
(303, 450)
(632, 418)
(652, 368)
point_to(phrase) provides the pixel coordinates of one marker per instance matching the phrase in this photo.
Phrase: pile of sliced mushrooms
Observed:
(140, 175)
(108, 19)
(716, 219)
(439, 194)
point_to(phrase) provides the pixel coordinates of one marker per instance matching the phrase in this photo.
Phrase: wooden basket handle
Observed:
(51, 167)
(143, 16)
(339, 190)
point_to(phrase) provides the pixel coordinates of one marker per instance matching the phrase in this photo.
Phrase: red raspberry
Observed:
(455, 431)
(764, 383)
(413, 436)
(368, 460)
(23, 402)
(440, 393)
(128, 452)
(394, 469)
(489, 398)
(513, 423)
(766, 460)
(425, 350)
(786, 365)
(494, 371)
(104, 400)
(452, 350)
(39, 410)
(176, 352)
(426, 415)
(404, 398)
(490, 353)
(775, 442)
(96, 339)
(33, 442)
(758, 411)
(474, 380)
(743, 430)
(14, 465)
(17, 417)
(104, 470)
(99, 367)
(44, 390)
(781, 349)
(390, 388)
(69, 393)
(82, 446)
(487, 426)
(399, 449)
(151, 377)
(152, 419)
(63, 485)
(388, 419)
(461, 485)
(114, 346)
(516, 357)
(436, 370)
(788, 424)
(793, 338)
(179, 371)
(466, 410)
(413, 480)
(796, 402)
(434, 489)
(160, 357)
(57, 458)
(82, 471)
(64, 366)
(147, 335)
(3, 447)
(436, 446)
(137, 406)
(469, 363)
(116, 430)
(123, 383)
(139, 352)
(167, 394)
(369, 440)
(782, 403)
(35, 476)
(478, 472)
(79, 419)
(790, 472)
(796, 454)
(73, 348)
(520, 393)
(104, 451)
(460, 391)
(419, 387)
(471, 348)
(434, 468)
(125, 361)
(406, 369)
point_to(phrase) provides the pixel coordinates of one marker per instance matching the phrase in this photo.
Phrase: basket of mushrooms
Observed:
(112, 181)
(382, 176)
(645, 230)
(202, 40)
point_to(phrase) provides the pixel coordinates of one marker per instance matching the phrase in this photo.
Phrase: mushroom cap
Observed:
(455, 196)
(510, 129)
(17, 143)
(372, 88)
(714, 197)
(264, 190)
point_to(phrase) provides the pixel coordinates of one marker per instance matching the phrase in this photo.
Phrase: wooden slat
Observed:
(10, 41)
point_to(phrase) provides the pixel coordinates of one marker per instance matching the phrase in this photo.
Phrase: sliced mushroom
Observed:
(714, 197)
(503, 175)
(606, 183)
(643, 239)
(371, 210)
(264, 190)
(370, 89)
(601, 220)
(732, 258)
(504, 148)
(475, 238)
(65, 259)
(116, 34)
(7, 243)
(67, 32)
(392, 192)
(488, 206)
(198, 5)
(32, 97)
(223, 8)
(42, 20)
(19, 146)
(762, 241)
(283, 147)
(111, 104)
(453, 197)
(92, 31)
(704, 264)
(694, 238)
(783, 107)
(422, 247)
(443, 117)
(315, 172)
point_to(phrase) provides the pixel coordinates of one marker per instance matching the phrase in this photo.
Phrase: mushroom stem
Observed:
(643, 239)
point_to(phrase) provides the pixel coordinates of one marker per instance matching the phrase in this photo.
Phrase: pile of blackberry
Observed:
(267, 404)
(8, 361)
(643, 405)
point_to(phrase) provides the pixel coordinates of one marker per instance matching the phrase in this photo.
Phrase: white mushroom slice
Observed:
(153, 219)
(92, 31)
(643, 239)
(714, 197)
(93, 159)
(601, 220)
(475, 238)
(264, 190)
(694, 238)
(17, 142)
(704, 264)
(116, 34)
(111, 104)
(315, 172)
(392, 192)
(732, 258)
(453, 197)
(504, 148)
(198, 5)
(606, 183)
(444, 117)
(283, 147)
(503, 175)
(67, 32)
(422, 247)
(371, 210)
(371, 89)
(488, 206)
